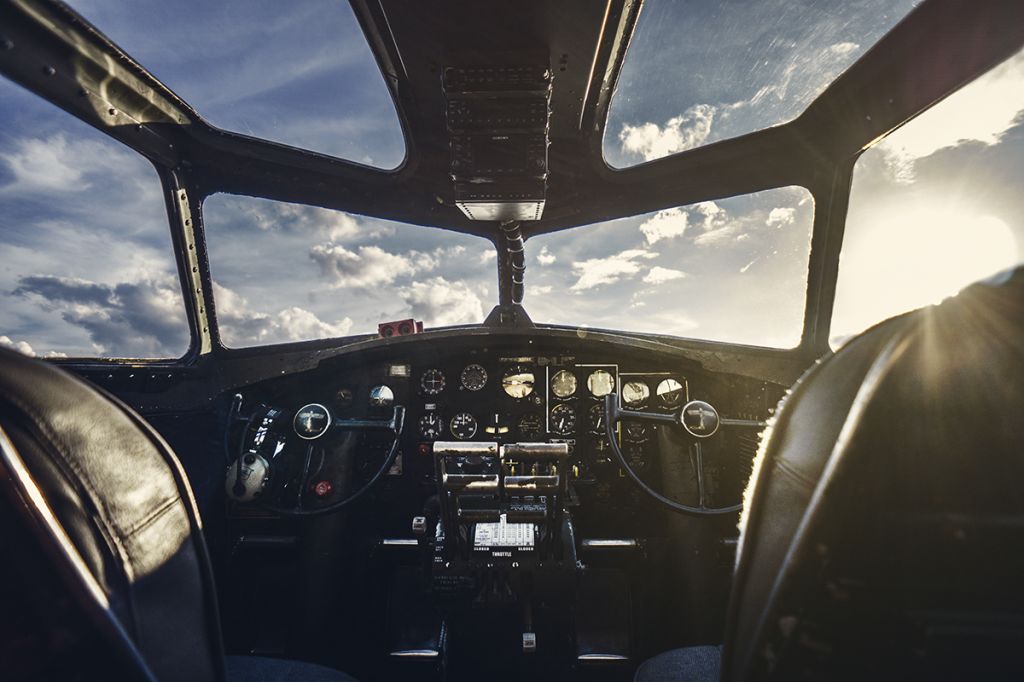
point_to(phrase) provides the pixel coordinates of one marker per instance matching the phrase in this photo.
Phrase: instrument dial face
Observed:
(670, 393)
(432, 381)
(430, 426)
(595, 418)
(635, 432)
(563, 384)
(517, 381)
(635, 394)
(311, 421)
(563, 419)
(600, 383)
(473, 377)
(531, 425)
(381, 396)
(463, 426)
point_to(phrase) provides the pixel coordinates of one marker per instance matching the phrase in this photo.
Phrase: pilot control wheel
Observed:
(700, 421)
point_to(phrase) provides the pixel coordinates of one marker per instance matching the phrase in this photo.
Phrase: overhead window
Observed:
(86, 262)
(936, 205)
(299, 72)
(732, 270)
(696, 72)
(287, 272)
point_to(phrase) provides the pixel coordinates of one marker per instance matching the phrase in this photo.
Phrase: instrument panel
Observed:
(467, 391)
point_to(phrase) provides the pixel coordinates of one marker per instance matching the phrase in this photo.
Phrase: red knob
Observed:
(323, 489)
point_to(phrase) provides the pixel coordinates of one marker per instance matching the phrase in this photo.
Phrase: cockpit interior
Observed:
(585, 340)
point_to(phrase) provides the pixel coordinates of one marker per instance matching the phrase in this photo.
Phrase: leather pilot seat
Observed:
(883, 533)
(95, 496)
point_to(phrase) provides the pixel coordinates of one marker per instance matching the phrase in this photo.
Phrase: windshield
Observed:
(729, 270)
(297, 72)
(286, 272)
(698, 72)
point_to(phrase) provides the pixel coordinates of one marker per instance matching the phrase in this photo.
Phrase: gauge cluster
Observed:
(468, 391)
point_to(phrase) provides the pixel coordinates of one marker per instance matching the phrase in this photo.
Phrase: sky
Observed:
(85, 258)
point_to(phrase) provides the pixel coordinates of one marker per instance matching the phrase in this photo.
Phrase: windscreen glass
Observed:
(696, 72)
(936, 205)
(730, 270)
(298, 72)
(285, 272)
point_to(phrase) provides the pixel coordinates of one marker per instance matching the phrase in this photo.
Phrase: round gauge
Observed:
(635, 393)
(311, 421)
(563, 419)
(381, 396)
(344, 397)
(670, 393)
(563, 384)
(530, 425)
(518, 381)
(463, 425)
(635, 432)
(432, 381)
(595, 418)
(473, 377)
(600, 383)
(430, 426)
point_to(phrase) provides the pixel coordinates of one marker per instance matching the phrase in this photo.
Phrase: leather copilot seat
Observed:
(124, 506)
(883, 530)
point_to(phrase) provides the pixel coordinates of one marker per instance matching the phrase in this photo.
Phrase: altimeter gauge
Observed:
(473, 377)
(563, 384)
(563, 419)
(463, 426)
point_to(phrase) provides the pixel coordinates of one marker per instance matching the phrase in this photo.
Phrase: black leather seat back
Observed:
(885, 532)
(122, 498)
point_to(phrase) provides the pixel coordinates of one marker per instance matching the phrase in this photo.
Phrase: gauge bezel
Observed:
(560, 407)
(462, 377)
(451, 426)
(659, 396)
(590, 384)
(635, 403)
(555, 378)
(519, 369)
(433, 391)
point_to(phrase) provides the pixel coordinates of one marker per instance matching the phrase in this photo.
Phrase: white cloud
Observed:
(980, 112)
(779, 217)
(686, 131)
(597, 271)
(660, 275)
(665, 224)
(488, 256)
(55, 164)
(20, 346)
(716, 225)
(241, 326)
(439, 302)
(368, 266)
(545, 257)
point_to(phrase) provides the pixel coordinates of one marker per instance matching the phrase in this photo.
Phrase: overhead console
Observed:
(497, 119)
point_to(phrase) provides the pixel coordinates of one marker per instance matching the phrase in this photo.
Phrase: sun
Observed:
(901, 258)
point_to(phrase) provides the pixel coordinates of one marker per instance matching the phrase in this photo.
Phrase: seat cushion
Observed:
(690, 664)
(258, 669)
